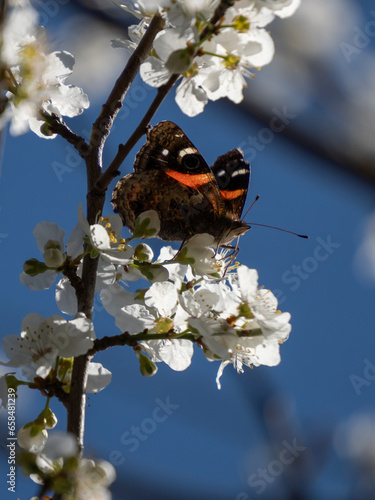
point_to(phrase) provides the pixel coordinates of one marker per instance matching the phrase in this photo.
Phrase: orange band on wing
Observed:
(232, 195)
(194, 181)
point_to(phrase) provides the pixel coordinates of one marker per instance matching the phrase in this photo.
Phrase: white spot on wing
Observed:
(165, 152)
(243, 171)
(187, 151)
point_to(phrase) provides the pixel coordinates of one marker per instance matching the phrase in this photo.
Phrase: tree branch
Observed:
(110, 109)
(58, 126)
(127, 339)
(216, 18)
(124, 149)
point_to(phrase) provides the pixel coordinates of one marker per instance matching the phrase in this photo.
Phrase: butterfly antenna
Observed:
(279, 229)
(271, 227)
(251, 206)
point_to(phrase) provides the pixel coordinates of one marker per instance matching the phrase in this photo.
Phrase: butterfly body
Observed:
(172, 178)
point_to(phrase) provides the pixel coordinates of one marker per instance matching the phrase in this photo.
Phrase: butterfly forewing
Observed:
(169, 149)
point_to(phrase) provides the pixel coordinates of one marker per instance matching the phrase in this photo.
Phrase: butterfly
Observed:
(171, 177)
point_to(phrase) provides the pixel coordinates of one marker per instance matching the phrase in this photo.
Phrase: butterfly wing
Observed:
(232, 174)
(168, 148)
(172, 178)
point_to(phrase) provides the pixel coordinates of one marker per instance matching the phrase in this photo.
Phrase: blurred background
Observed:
(306, 428)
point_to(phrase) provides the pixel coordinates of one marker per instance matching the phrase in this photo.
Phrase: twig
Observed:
(57, 126)
(127, 339)
(50, 389)
(70, 271)
(124, 149)
(218, 14)
(110, 109)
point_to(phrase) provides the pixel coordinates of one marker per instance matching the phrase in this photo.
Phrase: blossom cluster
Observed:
(194, 295)
(56, 463)
(32, 78)
(213, 61)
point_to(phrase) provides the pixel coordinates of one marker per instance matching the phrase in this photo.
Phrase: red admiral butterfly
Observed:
(171, 177)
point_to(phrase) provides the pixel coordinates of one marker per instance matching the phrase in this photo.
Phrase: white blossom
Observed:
(281, 8)
(43, 233)
(84, 479)
(32, 438)
(93, 477)
(140, 8)
(160, 313)
(176, 271)
(212, 68)
(42, 340)
(135, 33)
(105, 238)
(98, 378)
(35, 78)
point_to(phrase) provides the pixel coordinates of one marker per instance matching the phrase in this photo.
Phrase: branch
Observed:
(58, 126)
(110, 109)
(70, 271)
(216, 18)
(127, 339)
(124, 149)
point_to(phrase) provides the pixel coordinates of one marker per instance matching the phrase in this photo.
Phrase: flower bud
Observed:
(50, 419)
(147, 225)
(179, 61)
(53, 257)
(143, 252)
(52, 244)
(154, 272)
(147, 367)
(33, 267)
(46, 130)
(32, 437)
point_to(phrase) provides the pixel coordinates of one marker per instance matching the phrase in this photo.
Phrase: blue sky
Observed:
(213, 441)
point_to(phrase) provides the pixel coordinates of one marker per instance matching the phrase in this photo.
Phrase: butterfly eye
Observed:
(191, 162)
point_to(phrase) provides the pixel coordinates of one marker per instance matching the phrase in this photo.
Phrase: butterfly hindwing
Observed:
(232, 174)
